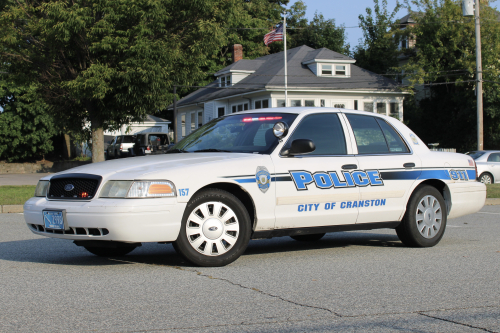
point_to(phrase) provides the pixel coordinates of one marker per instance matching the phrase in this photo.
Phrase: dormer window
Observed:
(225, 81)
(335, 70)
(326, 70)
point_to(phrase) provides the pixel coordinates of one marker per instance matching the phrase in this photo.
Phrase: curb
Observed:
(11, 208)
(19, 208)
(492, 201)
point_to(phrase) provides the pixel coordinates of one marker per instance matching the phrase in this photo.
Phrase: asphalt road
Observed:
(348, 282)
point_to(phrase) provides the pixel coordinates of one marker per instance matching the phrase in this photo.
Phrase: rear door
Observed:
(312, 190)
(494, 166)
(390, 166)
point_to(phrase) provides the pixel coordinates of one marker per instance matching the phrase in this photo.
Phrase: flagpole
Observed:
(284, 39)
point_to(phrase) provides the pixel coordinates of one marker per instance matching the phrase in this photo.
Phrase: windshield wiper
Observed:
(212, 150)
(173, 151)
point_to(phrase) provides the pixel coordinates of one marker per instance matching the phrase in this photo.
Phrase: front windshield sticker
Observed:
(263, 178)
(414, 139)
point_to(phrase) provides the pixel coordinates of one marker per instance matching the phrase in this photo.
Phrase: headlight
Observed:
(41, 188)
(138, 189)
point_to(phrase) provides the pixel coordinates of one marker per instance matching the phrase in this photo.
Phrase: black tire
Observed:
(308, 238)
(110, 251)
(236, 245)
(410, 231)
(486, 178)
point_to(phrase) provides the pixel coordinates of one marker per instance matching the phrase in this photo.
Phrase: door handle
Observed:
(409, 165)
(349, 166)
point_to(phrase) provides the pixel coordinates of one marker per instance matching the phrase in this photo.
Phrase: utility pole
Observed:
(175, 114)
(479, 76)
(471, 8)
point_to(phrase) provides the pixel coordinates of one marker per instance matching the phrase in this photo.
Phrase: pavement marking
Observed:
(488, 213)
(454, 226)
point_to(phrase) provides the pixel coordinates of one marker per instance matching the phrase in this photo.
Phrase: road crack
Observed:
(456, 322)
(236, 285)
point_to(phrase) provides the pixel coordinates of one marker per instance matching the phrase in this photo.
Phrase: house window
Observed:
(309, 102)
(183, 125)
(221, 111)
(340, 70)
(200, 119)
(296, 102)
(394, 110)
(225, 81)
(340, 106)
(240, 107)
(381, 108)
(193, 121)
(262, 104)
(322, 103)
(368, 107)
(355, 104)
(326, 70)
(280, 103)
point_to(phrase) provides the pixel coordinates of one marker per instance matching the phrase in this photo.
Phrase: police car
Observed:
(299, 172)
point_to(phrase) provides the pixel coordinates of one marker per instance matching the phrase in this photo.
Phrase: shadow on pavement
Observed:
(64, 252)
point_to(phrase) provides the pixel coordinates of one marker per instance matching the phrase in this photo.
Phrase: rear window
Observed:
(475, 154)
(128, 139)
(375, 136)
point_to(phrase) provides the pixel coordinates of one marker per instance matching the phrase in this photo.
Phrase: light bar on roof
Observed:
(247, 120)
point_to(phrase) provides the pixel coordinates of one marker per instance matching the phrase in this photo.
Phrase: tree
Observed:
(109, 62)
(316, 33)
(379, 50)
(26, 128)
(444, 59)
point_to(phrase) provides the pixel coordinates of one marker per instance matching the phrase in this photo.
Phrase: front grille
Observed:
(76, 188)
(72, 231)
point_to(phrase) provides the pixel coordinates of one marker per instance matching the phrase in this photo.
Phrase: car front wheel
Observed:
(215, 229)
(425, 219)
(486, 178)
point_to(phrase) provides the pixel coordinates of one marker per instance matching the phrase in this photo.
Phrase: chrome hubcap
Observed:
(486, 179)
(429, 216)
(212, 228)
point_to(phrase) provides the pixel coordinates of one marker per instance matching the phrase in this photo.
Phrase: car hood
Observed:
(137, 167)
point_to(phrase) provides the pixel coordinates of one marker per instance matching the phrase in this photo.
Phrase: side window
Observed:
(494, 157)
(325, 131)
(394, 141)
(119, 140)
(374, 136)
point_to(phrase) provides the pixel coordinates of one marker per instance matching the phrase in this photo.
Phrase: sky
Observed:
(347, 11)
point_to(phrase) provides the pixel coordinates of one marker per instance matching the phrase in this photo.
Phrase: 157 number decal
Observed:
(183, 192)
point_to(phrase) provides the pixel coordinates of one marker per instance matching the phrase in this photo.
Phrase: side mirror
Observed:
(300, 147)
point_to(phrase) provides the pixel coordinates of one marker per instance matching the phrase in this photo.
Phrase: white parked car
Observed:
(488, 165)
(299, 172)
(119, 146)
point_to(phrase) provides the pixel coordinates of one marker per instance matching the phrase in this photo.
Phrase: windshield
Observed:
(475, 154)
(242, 133)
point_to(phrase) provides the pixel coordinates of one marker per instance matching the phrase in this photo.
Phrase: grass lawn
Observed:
(493, 191)
(16, 195)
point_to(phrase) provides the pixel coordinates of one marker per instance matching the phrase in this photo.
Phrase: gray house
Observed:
(316, 78)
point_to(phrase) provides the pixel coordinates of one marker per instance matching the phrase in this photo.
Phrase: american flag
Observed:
(275, 35)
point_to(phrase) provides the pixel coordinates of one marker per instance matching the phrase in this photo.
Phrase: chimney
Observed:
(237, 52)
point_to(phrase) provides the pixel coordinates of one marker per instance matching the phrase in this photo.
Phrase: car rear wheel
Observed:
(424, 222)
(486, 178)
(215, 229)
(110, 252)
(308, 238)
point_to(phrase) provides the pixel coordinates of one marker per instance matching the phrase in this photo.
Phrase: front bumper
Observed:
(124, 220)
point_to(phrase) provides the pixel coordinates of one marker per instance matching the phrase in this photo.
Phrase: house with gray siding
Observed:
(316, 78)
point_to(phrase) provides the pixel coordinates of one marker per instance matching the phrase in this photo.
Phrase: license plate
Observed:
(148, 151)
(54, 219)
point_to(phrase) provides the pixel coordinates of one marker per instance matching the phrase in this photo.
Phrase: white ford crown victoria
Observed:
(299, 172)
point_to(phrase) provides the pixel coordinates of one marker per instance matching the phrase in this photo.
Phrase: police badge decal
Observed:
(263, 178)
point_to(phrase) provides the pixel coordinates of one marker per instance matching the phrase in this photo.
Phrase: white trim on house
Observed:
(329, 61)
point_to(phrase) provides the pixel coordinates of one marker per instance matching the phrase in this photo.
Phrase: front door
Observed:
(494, 165)
(316, 189)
